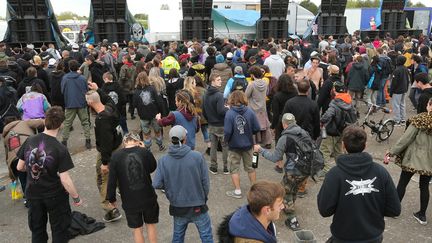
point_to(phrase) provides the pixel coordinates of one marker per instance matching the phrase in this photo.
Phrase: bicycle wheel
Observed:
(385, 130)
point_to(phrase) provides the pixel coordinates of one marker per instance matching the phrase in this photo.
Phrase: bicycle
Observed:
(382, 129)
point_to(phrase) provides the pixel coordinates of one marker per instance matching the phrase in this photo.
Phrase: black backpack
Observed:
(239, 84)
(308, 158)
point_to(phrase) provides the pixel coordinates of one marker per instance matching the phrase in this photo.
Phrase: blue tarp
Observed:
(241, 17)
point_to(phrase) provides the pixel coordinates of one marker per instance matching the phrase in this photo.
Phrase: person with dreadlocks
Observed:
(185, 116)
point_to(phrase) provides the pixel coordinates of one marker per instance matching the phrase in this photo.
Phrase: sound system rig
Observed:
(393, 19)
(197, 22)
(109, 18)
(30, 24)
(332, 20)
(273, 22)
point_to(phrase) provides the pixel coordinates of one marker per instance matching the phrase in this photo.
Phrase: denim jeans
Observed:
(202, 222)
(398, 103)
(381, 100)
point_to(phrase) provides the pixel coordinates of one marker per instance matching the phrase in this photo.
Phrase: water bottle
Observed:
(255, 157)
(323, 133)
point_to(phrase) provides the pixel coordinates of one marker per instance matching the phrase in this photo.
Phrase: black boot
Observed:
(88, 144)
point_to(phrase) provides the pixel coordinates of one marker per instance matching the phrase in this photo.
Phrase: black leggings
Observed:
(22, 176)
(404, 179)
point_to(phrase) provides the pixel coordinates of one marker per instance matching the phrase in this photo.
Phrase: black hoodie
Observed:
(116, 93)
(358, 193)
(423, 100)
(400, 80)
(214, 107)
(28, 82)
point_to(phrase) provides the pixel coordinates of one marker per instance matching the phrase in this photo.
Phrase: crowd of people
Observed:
(301, 97)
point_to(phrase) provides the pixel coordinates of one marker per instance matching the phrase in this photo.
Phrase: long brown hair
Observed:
(142, 80)
(183, 97)
(237, 98)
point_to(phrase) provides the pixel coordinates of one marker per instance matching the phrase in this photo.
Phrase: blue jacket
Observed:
(74, 88)
(240, 125)
(183, 174)
(243, 224)
(228, 87)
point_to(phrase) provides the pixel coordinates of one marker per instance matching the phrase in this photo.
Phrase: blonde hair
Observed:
(156, 80)
(184, 98)
(37, 60)
(189, 86)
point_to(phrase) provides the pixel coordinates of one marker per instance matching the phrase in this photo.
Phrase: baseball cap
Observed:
(339, 87)
(177, 132)
(238, 70)
(229, 55)
(51, 62)
(288, 118)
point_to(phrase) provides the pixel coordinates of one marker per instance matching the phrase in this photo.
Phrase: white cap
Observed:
(52, 62)
(229, 55)
(178, 131)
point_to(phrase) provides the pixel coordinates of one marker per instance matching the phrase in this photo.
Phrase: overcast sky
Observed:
(82, 7)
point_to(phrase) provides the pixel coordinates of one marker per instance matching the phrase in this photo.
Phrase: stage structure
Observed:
(111, 20)
(331, 20)
(273, 20)
(393, 21)
(32, 21)
(197, 22)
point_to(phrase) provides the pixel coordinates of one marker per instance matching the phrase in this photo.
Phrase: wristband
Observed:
(76, 200)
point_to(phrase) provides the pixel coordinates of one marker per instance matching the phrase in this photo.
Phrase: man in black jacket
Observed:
(304, 110)
(424, 84)
(214, 111)
(358, 192)
(108, 139)
(398, 89)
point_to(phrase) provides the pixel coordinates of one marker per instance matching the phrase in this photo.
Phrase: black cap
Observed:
(339, 87)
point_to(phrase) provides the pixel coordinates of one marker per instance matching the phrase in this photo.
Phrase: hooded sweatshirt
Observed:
(183, 174)
(214, 107)
(358, 77)
(341, 103)
(423, 100)
(275, 64)
(239, 127)
(185, 119)
(256, 92)
(26, 84)
(244, 225)
(116, 93)
(359, 193)
(400, 80)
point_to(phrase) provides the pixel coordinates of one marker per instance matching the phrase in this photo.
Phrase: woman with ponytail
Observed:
(185, 116)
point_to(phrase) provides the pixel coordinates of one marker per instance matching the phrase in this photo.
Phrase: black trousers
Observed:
(405, 178)
(59, 212)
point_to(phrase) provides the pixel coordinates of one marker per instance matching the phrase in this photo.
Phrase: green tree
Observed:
(417, 5)
(69, 15)
(141, 16)
(307, 4)
(363, 4)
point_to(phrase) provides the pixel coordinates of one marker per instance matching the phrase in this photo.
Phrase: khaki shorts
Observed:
(234, 157)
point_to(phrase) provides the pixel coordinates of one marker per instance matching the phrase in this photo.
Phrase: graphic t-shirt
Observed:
(131, 168)
(45, 157)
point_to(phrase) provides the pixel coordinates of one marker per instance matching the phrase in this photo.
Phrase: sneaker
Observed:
(161, 148)
(398, 124)
(207, 151)
(293, 224)
(420, 218)
(213, 170)
(278, 169)
(26, 203)
(302, 194)
(112, 215)
(64, 142)
(233, 194)
(226, 171)
(88, 144)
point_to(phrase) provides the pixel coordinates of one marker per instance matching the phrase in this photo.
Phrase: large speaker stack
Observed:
(197, 22)
(31, 22)
(332, 20)
(273, 22)
(110, 22)
(393, 19)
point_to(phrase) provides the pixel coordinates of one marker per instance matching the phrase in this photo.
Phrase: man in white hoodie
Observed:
(275, 63)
